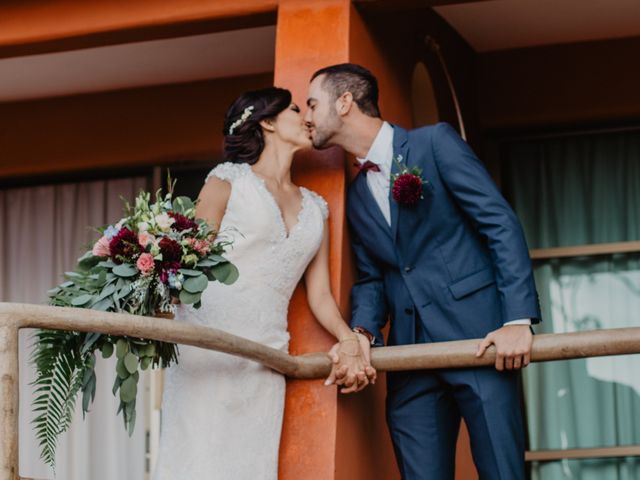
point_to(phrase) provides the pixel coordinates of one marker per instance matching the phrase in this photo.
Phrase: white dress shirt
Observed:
(379, 183)
(381, 153)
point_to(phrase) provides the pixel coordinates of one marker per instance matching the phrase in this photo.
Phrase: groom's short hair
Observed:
(360, 82)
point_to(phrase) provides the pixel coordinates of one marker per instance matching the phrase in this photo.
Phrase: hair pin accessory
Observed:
(243, 118)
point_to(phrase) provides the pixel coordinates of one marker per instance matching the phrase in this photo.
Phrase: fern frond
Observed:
(60, 370)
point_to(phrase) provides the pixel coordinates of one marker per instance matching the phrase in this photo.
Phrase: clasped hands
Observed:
(351, 364)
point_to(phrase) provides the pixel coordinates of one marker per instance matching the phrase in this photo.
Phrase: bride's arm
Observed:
(353, 355)
(212, 201)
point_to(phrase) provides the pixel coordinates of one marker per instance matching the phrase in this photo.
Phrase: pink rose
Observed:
(202, 247)
(145, 263)
(145, 238)
(101, 247)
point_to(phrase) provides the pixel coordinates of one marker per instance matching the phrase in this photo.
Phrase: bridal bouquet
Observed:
(156, 253)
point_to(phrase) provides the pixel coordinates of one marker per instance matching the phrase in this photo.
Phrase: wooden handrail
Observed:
(457, 354)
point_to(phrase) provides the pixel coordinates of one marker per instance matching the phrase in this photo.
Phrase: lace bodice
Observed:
(265, 254)
(270, 261)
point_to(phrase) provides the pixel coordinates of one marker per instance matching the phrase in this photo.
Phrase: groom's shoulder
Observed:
(423, 135)
(429, 131)
(425, 139)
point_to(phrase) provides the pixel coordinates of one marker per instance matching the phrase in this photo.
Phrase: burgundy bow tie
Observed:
(366, 166)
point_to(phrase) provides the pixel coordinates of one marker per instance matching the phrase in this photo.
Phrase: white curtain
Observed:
(43, 230)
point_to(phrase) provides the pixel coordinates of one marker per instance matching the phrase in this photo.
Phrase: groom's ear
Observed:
(344, 103)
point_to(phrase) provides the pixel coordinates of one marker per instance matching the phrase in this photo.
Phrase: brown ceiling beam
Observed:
(399, 5)
(32, 27)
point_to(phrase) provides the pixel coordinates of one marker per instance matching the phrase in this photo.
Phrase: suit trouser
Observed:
(424, 410)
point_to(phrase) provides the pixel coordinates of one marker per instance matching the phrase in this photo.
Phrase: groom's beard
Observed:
(320, 142)
(323, 137)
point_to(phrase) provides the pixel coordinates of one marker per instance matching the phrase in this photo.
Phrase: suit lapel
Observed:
(369, 203)
(400, 148)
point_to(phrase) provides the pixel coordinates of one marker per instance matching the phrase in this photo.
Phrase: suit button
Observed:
(408, 268)
(408, 311)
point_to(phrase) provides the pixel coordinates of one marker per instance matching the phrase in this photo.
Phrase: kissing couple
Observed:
(439, 252)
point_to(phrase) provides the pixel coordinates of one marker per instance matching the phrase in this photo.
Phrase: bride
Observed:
(222, 415)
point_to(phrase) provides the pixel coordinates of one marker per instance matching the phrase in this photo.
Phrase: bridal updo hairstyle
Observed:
(244, 139)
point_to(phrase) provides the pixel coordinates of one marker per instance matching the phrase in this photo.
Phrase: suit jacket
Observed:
(458, 257)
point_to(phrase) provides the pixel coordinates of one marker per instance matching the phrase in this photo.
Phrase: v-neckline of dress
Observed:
(286, 233)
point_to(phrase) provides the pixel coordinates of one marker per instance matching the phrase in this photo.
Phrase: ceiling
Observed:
(486, 25)
(176, 60)
(505, 24)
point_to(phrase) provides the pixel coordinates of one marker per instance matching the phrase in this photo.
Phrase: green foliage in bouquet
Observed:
(156, 253)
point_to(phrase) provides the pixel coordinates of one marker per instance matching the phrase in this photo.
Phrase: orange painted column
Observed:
(309, 35)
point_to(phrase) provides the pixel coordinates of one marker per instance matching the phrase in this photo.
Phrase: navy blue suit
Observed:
(455, 266)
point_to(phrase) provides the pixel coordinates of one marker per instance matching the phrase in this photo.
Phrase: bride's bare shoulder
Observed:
(214, 196)
(216, 190)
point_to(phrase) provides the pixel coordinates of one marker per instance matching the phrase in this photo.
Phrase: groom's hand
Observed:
(513, 346)
(365, 346)
(366, 373)
(352, 373)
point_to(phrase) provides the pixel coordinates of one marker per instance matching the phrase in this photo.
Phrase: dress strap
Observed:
(229, 171)
(321, 203)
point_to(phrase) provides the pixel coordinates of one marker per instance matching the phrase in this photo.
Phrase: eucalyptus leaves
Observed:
(157, 253)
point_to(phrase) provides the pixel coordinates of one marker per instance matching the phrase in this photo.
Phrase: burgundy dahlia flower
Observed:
(407, 189)
(183, 223)
(171, 250)
(124, 246)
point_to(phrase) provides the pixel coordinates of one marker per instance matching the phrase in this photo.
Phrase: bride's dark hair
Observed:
(243, 135)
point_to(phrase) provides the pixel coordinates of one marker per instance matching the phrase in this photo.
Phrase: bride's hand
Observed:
(351, 367)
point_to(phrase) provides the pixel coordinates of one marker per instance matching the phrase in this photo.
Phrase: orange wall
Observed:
(398, 37)
(147, 126)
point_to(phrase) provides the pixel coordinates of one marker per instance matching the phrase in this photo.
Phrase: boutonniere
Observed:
(407, 185)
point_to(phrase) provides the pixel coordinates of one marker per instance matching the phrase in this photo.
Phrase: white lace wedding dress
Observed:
(222, 415)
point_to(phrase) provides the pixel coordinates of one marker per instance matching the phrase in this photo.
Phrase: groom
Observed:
(439, 252)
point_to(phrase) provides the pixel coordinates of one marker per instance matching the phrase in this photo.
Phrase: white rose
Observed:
(164, 222)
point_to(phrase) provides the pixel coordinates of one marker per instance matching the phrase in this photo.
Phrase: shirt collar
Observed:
(379, 150)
